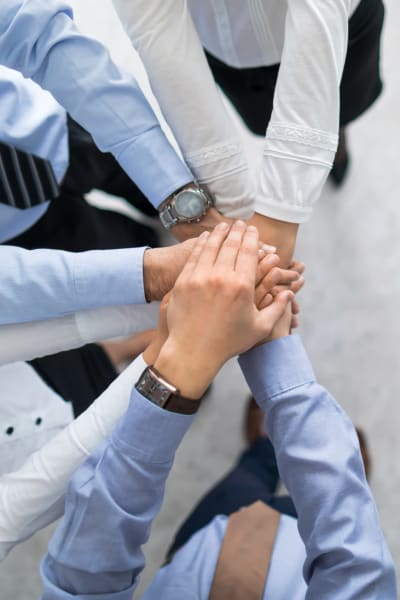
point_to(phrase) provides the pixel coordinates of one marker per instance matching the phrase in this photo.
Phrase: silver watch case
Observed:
(186, 206)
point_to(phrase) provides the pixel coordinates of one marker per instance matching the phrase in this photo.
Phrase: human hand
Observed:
(185, 231)
(161, 267)
(211, 314)
(278, 233)
(160, 334)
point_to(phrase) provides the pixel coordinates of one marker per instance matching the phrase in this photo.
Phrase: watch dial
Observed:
(189, 204)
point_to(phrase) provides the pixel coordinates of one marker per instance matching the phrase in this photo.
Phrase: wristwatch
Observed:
(155, 388)
(188, 205)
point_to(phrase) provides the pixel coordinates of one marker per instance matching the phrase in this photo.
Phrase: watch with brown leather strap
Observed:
(152, 385)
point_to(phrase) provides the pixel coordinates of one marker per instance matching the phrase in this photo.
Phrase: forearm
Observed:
(44, 284)
(280, 234)
(302, 134)
(26, 341)
(319, 462)
(165, 37)
(40, 40)
(121, 486)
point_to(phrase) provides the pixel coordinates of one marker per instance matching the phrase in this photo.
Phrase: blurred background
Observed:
(349, 318)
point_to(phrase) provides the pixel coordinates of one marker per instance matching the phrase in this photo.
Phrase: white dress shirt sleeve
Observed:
(164, 35)
(26, 341)
(302, 134)
(43, 284)
(33, 496)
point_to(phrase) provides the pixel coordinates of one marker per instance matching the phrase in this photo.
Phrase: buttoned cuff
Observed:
(108, 277)
(275, 368)
(148, 432)
(152, 163)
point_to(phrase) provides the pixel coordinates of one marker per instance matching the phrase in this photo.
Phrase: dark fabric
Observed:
(71, 223)
(79, 376)
(251, 91)
(25, 179)
(255, 477)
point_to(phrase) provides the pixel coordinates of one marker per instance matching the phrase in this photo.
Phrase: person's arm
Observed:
(39, 39)
(44, 284)
(34, 495)
(164, 35)
(121, 486)
(302, 135)
(26, 341)
(320, 464)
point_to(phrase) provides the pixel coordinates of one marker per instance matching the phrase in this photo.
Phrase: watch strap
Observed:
(152, 385)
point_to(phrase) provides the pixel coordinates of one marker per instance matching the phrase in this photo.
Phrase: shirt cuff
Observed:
(108, 277)
(152, 163)
(276, 367)
(148, 432)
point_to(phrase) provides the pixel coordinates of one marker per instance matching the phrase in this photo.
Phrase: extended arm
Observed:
(320, 463)
(34, 495)
(40, 39)
(163, 33)
(45, 284)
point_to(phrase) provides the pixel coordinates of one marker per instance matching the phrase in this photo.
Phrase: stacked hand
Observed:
(211, 313)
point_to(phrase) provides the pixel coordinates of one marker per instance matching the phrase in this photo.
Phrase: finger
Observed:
(295, 287)
(247, 258)
(294, 323)
(265, 265)
(297, 266)
(265, 301)
(212, 247)
(295, 307)
(229, 250)
(193, 258)
(283, 277)
(270, 316)
(265, 249)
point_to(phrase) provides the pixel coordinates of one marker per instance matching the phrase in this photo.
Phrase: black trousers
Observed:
(251, 91)
(255, 477)
(70, 223)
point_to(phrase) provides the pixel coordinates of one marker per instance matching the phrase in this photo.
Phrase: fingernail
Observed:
(268, 248)
(240, 224)
(261, 253)
(204, 235)
(222, 226)
(252, 229)
(271, 259)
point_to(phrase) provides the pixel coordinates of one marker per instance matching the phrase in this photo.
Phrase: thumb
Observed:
(269, 316)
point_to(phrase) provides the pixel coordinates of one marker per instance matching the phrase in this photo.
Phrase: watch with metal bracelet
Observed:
(155, 388)
(188, 205)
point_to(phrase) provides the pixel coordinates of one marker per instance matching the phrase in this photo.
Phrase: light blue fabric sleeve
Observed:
(111, 502)
(43, 284)
(320, 463)
(39, 39)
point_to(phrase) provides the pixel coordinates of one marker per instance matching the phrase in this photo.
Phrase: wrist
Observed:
(190, 374)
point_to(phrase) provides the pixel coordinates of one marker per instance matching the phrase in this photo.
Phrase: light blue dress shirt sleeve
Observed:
(39, 39)
(320, 463)
(111, 502)
(43, 284)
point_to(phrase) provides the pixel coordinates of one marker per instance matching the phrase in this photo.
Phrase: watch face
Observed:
(189, 204)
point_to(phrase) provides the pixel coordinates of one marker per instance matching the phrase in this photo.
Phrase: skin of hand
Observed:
(161, 267)
(185, 231)
(211, 314)
(283, 326)
(160, 336)
(278, 233)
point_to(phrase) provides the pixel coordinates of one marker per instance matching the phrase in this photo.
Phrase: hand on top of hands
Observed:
(211, 313)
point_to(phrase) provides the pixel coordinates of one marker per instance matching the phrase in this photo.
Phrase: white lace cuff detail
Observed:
(316, 138)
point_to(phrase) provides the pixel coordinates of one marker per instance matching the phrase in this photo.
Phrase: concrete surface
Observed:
(349, 320)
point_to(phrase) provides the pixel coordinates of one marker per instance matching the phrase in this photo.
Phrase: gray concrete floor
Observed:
(349, 321)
